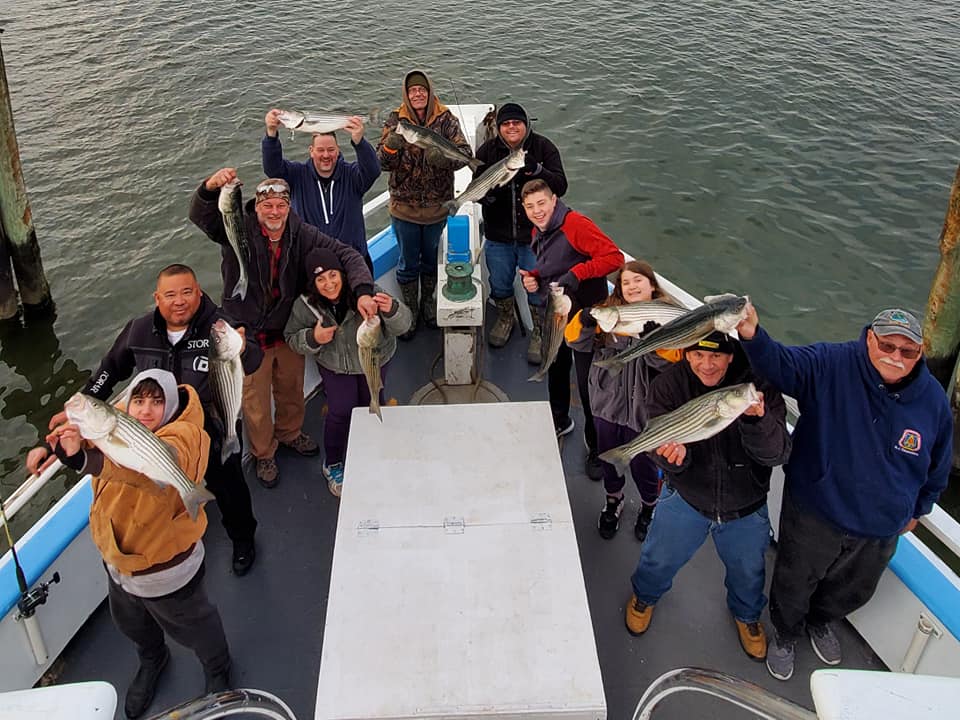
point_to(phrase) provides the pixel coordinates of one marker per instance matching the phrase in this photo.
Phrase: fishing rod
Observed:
(29, 599)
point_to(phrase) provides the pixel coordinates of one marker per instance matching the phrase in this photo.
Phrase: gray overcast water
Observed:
(799, 152)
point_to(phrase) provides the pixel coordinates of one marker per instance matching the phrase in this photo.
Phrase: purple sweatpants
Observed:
(643, 469)
(344, 393)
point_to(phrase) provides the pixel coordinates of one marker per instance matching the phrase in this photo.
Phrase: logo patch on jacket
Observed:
(909, 442)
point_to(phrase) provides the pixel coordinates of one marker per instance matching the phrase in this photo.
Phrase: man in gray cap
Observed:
(871, 454)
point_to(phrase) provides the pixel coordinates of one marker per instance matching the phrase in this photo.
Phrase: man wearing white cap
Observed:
(871, 455)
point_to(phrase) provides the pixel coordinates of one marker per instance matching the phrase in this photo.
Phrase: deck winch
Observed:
(459, 286)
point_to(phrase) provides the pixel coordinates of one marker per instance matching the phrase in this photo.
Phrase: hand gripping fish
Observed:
(231, 208)
(719, 312)
(493, 177)
(424, 137)
(128, 443)
(369, 335)
(699, 419)
(554, 323)
(226, 382)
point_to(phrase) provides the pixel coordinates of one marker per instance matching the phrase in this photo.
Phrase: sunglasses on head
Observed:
(271, 187)
(889, 348)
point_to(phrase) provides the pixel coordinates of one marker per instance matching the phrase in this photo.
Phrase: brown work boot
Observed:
(753, 640)
(639, 616)
(303, 444)
(267, 472)
(500, 332)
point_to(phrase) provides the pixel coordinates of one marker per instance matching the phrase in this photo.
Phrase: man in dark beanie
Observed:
(507, 229)
(421, 181)
(716, 486)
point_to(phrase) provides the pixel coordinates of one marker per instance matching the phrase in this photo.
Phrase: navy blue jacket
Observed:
(337, 210)
(865, 457)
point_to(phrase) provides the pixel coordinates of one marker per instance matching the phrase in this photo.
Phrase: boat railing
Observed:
(731, 689)
(229, 702)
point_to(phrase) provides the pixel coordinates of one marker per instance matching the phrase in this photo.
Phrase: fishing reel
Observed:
(29, 601)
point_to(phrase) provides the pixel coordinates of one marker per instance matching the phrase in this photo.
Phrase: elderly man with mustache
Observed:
(871, 455)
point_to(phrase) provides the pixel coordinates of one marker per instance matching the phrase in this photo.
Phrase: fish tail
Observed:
(230, 446)
(375, 408)
(537, 376)
(451, 206)
(240, 289)
(195, 498)
(617, 458)
(474, 163)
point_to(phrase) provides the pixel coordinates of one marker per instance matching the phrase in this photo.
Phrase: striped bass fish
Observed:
(231, 208)
(719, 312)
(128, 443)
(424, 137)
(311, 122)
(699, 419)
(630, 319)
(493, 177)
(226, 382)
(554, 323)
(369, 335)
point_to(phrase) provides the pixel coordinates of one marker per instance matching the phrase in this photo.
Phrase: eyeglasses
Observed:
(417, 90)
(272, 187)
(511, 123)
(888, 348)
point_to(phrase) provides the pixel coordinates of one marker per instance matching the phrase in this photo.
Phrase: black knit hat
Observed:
(715, 342)
(320, 260)
(511, 111)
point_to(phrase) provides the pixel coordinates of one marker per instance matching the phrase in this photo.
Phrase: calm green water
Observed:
(800, 152)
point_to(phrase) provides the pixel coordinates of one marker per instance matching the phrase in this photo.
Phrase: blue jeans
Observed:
(503, 259)
(418, 249)
(677, 532)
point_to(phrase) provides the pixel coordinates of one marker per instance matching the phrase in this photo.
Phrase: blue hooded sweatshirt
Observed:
(865, 457)
(337, 210)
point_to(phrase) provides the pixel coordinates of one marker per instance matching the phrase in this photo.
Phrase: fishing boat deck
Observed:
(274, 617)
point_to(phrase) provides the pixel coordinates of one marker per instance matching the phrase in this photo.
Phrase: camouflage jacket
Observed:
(417, 188)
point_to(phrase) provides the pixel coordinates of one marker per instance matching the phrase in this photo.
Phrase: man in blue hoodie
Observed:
(326, 190)
(871, 455)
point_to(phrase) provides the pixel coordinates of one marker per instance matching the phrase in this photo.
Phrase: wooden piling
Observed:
(15, 215)
(941, 326)
(9, 307)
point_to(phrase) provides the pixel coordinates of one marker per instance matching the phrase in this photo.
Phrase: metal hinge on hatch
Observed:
(368, 527)
(541, 521)
(453, 525)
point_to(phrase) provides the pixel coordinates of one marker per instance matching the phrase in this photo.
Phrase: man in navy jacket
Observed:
(326, 190)
(871, 455)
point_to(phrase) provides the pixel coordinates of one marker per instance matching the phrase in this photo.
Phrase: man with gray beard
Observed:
(871, 454)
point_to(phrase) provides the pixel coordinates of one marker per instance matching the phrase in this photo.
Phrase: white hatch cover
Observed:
(456, 589)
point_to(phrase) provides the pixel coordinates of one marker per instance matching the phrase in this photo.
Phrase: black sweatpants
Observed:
(229, 487)
(558, 389)
(821, 573)
(186, 615)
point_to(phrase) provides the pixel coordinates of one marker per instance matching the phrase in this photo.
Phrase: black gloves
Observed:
(569, 282)
(648, 327)
(531, 167)
(587, 320)
(393, 142)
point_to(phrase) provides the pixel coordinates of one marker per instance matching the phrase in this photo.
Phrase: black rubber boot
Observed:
(410, 294)
(144, 685)
(643, 522)
(428, 300)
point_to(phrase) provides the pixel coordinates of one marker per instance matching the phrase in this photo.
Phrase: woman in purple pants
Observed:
(618, 400)
(324, 323)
